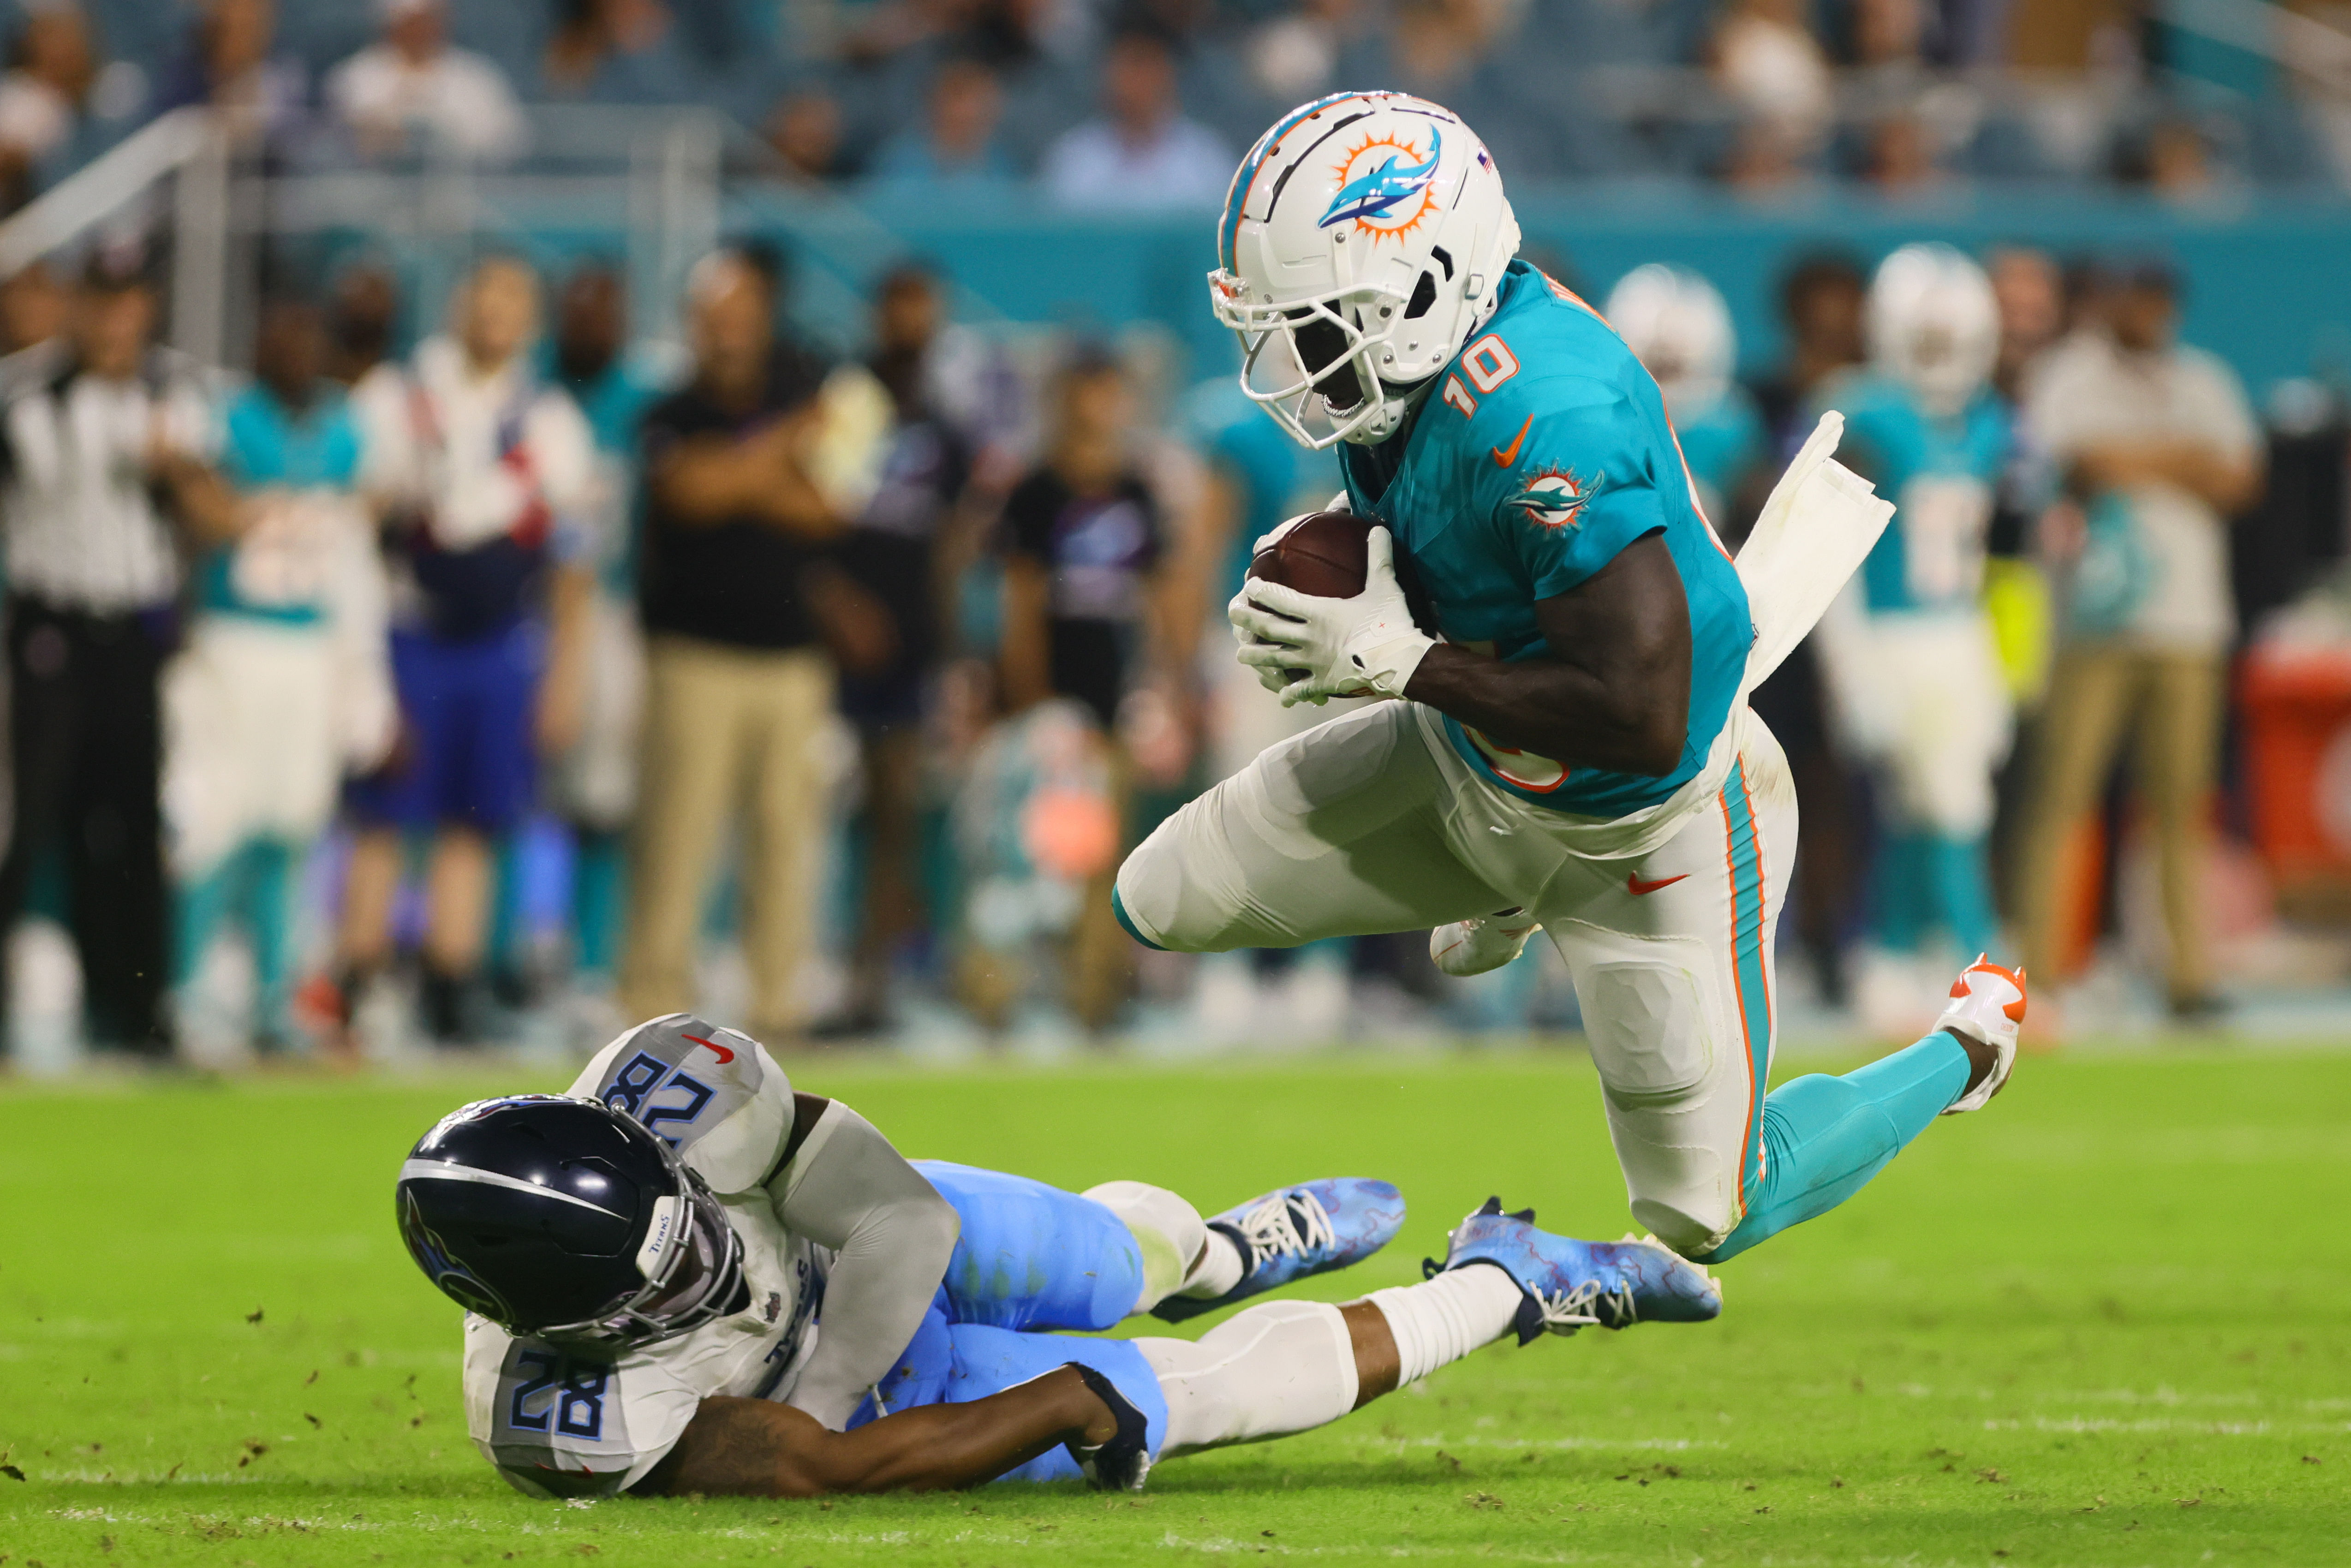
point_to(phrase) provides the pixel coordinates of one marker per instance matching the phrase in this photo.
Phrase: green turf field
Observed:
(2103, 1323)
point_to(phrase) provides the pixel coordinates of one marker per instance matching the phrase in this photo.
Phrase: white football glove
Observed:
(1271, 676)
(1364, 646)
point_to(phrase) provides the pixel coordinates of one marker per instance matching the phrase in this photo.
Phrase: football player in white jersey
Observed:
(684, 1277)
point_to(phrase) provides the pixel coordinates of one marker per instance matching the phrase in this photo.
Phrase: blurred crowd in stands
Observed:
(1139, 103)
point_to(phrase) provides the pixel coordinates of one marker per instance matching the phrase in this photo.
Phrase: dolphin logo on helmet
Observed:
(1375, 195)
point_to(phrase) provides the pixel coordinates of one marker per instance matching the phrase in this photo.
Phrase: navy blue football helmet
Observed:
(563, 1219)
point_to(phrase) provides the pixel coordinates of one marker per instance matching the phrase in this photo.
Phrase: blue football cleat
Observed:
(1575, 1284)
(1294, 1231)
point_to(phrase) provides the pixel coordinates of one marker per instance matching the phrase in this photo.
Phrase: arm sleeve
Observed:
(892, 1233)
(1587, 485)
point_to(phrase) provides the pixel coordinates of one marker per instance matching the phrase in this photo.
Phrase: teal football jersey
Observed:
(1942, 475)
(266, 444)
(1722, 444)
(1542, 452)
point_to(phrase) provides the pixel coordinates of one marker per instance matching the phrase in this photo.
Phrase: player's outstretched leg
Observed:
(1291, 1366)
(1270, 1242)
(1826, 1137)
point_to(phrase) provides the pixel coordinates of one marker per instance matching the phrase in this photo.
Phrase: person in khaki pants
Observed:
(733, 581)
(2156, 449)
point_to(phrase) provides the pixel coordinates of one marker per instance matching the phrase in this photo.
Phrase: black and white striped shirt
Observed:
(84, 527)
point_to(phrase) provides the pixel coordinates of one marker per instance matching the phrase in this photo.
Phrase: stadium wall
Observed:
(2269, 280)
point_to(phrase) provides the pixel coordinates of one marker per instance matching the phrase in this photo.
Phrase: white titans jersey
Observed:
(559, 1424)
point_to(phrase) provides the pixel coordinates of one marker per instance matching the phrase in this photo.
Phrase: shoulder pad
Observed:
(712, 1094)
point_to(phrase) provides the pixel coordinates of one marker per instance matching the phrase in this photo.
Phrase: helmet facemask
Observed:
(1307, 362)
(691, 1260)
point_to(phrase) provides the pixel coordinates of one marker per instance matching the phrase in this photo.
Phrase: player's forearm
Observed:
(749, 1447)
(2222, 480)
(1634, 722)
(204, 502)
(939, 1447)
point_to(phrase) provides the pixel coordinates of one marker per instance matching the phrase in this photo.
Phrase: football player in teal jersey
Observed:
(1569, 747)
(1678, 328)
(1915, 673)
(282, 685)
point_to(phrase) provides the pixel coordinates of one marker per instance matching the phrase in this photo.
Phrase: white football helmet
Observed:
(1933, 324)
(1676, 323)
(1363, 240)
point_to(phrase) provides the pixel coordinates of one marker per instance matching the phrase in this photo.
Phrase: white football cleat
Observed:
(1987, 1005)
(1486, 942)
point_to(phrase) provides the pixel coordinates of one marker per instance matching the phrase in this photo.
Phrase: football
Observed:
(1322, 556)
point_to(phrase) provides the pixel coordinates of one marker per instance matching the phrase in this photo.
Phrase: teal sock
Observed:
(268, 918)
(596, 903)
(202, 902)
(1900, 889)
(1825, 1138)
(1962, 884)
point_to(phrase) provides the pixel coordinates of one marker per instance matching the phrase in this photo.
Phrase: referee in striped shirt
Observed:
(102, 475)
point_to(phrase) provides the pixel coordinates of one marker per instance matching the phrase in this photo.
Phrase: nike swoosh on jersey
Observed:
(1504, 459)
(1639, 889)
(726, 1053)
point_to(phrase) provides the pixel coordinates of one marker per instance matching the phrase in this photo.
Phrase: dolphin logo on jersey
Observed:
(1554, 498)
(1369, 198)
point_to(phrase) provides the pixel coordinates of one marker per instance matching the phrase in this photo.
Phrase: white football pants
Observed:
(1922, 696)
(1372, 823)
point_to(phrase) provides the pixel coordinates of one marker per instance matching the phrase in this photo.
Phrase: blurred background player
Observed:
(739, 689)
(283, 686)
(1093, 605)
(892, 553)
(595, 783)
(1676, 323)
(492, 468)
(1917, 678)
(2152, 444)
(108, 470)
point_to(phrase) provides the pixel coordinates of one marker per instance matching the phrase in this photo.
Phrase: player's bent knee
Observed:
(1166, 897)
(1168, 1230)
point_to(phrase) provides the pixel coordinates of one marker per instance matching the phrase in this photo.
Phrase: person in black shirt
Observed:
(1088, 596)
(733, 586)
(893, 554)
(1082, 542)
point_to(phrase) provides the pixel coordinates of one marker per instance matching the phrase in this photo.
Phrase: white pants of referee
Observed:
(1374, 823)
